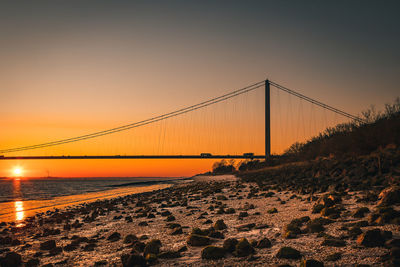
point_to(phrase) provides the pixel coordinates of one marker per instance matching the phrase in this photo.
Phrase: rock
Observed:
(333, 242)
(133, 260)
(393, 243)
(12, 259)
(89, 247)
(177, 231)
(317, 208)
(243, 214)
(183, 249)
(331, 212)
(230, 211)
(371, 238)
(273, 210)
(173, 225)
(222, 197)
(130, 239)
(208, 221)
(48, 245)
(216, 234)
(311, 263)
(166, 213)
(264, 243)
(230, 244)
(291, 231)
(151, 258)
(299, 221)
(153, 247)
(262, 226)
(114, 237)
(32, 263)
(288, 253)
(100, 263)
(395, 253)
(334, 257)
(220, 225)
(198, 240)
(143, 224)
(138, 246)
(246, 227)
(212, 253)
(199, 231)
(385, 215)
(15, 242)
(360, 213)
(354, 232)
(315, 227)
(169, 255)
(170, 218)
(243, 248)
(389, 196)
(55, 251)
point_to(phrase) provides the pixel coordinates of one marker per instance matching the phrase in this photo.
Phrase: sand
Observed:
(294, 206)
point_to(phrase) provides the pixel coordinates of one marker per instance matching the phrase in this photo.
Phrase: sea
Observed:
(23, 197)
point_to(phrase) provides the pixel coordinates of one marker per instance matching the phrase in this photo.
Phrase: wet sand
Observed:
(18, 210)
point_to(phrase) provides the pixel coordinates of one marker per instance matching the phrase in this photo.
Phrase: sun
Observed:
(17, 171)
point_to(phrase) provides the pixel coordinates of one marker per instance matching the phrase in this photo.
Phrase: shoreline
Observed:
(8, 211)
(104, 231)
(17, 210)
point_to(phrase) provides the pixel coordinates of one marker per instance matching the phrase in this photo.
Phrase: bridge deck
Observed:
(137, 157)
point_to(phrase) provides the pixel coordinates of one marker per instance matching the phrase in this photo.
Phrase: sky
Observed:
(74, 67)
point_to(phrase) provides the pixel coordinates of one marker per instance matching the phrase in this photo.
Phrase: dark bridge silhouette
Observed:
(266, 84)
(141, 157)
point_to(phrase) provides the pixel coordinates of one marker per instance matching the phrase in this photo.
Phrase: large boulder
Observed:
(12, 259)
(360, 213)
(48, 245)
(220, 225)
(114, 237)
(264, 243)
(133, 260)
(243, 248)
(212, 253)
(198, 240)
(153, 247)
(371, 238)
(169, 254)
(230, 244)
(389, 196)
(288, 253)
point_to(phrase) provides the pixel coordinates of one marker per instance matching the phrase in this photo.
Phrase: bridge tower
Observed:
(267, 120)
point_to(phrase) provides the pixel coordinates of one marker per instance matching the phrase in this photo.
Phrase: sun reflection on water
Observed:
(19, 211)
(18, 205)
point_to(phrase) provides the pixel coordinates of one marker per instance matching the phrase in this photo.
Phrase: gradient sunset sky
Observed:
(74, 67)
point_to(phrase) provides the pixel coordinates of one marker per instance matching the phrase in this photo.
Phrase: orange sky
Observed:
(75, 68)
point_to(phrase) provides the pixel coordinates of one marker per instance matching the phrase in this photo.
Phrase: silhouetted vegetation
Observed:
(379, 129)
(223, 167)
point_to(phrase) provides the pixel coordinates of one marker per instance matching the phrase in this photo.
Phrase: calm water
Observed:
(24, 197)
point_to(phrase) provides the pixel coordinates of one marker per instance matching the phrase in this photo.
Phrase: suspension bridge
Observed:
(264, 85)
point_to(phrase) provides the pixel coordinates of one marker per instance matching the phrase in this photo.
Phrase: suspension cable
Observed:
(316, 102)
(141, 123)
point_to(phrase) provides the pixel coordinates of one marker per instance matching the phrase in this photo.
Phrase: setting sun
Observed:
(17, 171)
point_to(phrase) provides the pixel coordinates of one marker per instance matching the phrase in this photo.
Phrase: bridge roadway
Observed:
(138, 157)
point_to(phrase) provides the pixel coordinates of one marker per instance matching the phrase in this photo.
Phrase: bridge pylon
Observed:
(267, 120)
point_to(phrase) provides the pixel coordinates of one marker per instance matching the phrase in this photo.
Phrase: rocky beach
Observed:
(330, 213)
